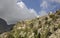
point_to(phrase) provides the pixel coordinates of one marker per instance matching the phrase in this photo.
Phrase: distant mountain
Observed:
(3, 22)
(4, 27)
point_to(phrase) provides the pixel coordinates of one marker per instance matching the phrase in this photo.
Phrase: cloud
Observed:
(47, 6)
(44, 5)
(42, 13)
(13, 12)
(33, 11)
(21, 4)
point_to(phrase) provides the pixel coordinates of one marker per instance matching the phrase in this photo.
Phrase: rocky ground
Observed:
(41, 27)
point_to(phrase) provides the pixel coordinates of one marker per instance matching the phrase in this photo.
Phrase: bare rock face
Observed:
(3, 26)
(2, 22)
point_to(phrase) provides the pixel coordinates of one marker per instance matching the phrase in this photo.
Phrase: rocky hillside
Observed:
(4, 27)
(41, 27)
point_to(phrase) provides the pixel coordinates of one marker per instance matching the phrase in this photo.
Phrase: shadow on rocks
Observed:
(4, 27)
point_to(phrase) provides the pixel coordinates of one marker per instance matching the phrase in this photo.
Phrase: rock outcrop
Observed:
(4, 27)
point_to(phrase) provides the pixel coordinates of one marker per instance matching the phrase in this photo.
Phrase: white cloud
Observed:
(21, 4)
(12, 12)
(44, 5)
(33, 11)
(42, 13)
(47, 5)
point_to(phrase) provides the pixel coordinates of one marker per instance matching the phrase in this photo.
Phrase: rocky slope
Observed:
(42, 27)
(4, 27)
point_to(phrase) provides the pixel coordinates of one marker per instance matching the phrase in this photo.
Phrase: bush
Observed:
(58, 12)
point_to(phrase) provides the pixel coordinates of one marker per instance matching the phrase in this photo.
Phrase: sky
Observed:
(18, 10)
(42, 5)
(11, 11)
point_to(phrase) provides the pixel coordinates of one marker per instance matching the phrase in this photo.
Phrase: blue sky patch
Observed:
(49, 6)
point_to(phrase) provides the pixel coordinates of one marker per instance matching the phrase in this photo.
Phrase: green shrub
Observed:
(58, 12)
